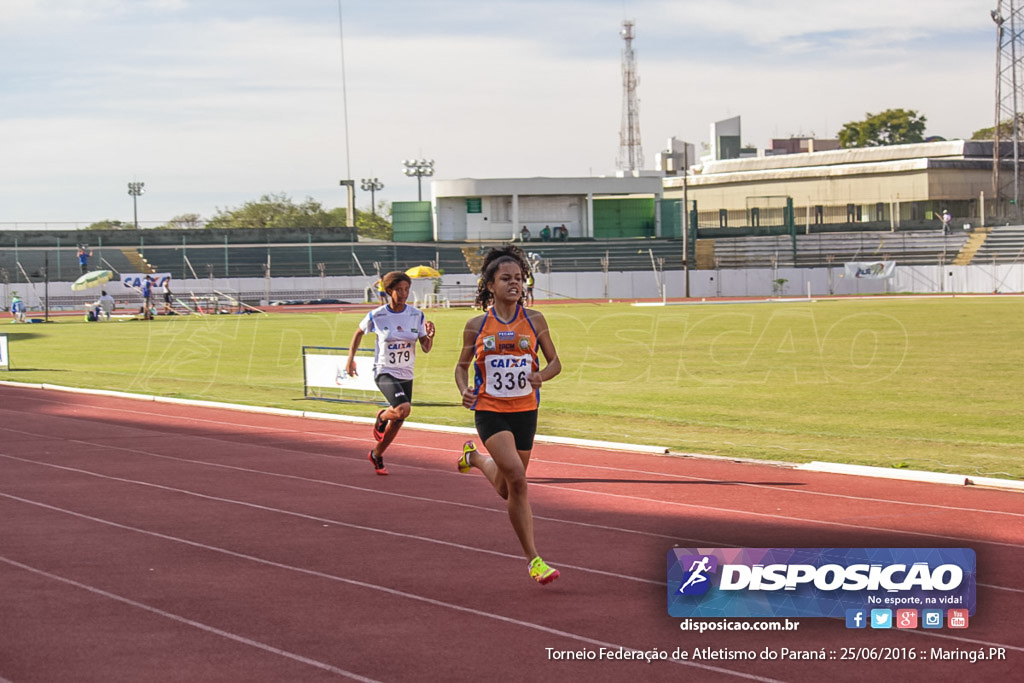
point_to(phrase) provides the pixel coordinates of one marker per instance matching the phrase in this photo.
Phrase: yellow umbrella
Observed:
(422, 271)
(92, 279)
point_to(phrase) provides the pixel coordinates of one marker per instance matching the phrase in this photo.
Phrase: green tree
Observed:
(891, 127)
(1005, 130)
(110, 225)
(186, 220)
(375, 225)
(274, 211)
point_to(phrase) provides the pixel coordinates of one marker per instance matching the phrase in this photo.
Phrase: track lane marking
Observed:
(362, 584)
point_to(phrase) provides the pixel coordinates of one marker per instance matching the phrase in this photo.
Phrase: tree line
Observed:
(276, 211)
(890, 127)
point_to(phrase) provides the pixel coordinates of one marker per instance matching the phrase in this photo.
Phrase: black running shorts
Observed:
(396, 391)
(522, 425)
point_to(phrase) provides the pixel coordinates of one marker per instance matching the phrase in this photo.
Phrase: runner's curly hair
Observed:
(390, 280)
(492, 261)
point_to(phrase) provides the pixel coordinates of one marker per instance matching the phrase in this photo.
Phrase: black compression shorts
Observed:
(522, 425)
(396, 391)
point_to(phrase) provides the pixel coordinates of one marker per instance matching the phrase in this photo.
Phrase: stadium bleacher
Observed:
(1004, 244)
(917, 247)
(59, 265)
(618, 255)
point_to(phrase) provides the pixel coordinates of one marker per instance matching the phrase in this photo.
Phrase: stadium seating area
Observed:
(62, 265)
(346, 258)
(1004, 244)
(822, 249)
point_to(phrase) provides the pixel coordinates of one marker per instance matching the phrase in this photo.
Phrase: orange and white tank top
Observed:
(506, 352)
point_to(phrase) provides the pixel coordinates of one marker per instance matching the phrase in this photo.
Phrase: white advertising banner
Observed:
(871, 270)
(5, 361)
(327, 371)
(135, 280)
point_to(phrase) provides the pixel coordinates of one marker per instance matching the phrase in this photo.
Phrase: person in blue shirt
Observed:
(147, 297)
(83, 258)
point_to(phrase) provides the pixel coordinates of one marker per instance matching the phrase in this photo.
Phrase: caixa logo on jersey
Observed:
(817, 582)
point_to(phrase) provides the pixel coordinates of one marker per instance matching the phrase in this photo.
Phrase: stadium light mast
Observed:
(135, 189)
(371, 185)
(631, 151)
(419, 168)
(1009, 21)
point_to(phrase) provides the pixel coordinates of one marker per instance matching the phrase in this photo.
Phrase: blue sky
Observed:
(213, 103)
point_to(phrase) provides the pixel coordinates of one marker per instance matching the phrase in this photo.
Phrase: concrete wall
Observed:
(747, 282)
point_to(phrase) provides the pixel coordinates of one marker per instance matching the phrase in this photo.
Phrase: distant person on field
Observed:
(105, 305)
(83, 258)
(168, 296)
(17, 308)
(947, 221)
(147, 298)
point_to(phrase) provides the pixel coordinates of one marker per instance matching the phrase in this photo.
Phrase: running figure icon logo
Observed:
(699, 566)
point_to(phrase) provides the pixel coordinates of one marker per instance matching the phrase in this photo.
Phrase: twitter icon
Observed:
(881, 618)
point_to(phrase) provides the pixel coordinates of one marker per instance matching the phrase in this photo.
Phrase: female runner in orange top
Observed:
(502, 346)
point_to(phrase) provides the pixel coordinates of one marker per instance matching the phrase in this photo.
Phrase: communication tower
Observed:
(631, 151)
(1009, 19)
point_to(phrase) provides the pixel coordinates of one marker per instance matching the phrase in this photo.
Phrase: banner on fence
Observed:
(5, 361)
(324, 368)
(871, 270)
(135, 280)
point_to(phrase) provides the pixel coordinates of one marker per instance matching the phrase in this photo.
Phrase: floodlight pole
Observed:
(135, 189)
(371, 185)
(418, 168)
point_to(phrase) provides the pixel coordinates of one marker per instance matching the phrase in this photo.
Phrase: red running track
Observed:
(162, 542)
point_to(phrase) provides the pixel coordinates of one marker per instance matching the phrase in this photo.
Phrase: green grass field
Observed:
(932, 384)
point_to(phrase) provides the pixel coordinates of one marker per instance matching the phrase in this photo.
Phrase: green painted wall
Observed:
(412, 222)
(627, 217)
(671, 219)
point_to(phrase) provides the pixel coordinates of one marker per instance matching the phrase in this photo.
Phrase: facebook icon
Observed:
(856, 618)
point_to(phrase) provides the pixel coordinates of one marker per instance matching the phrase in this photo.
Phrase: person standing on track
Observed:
(398, 327)
(502, 345)
(147, 298)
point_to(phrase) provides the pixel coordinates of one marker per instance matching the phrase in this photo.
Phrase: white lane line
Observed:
(694, 506)
(784, 518)
(783, 488)
(190, 622)
(323, 520)
(375, 587)
(304, 433)
(696, 543)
